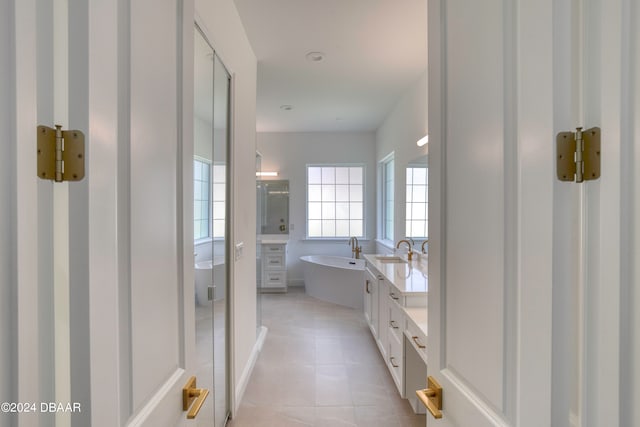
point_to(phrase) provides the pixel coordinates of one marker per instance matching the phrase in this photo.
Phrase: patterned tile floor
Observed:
(320, 367)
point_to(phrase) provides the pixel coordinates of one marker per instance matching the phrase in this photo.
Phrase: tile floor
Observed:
(320, 367)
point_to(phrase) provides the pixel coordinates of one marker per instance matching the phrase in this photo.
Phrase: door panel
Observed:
(141, 253)
(610, 92)
(155, 285)
(539, 285)
(490, 132)
(475, 197)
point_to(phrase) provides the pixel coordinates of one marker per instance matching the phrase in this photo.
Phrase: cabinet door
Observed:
(383, 313)
(371, 302)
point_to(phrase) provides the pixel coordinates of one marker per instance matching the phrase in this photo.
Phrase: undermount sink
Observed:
(391, 259)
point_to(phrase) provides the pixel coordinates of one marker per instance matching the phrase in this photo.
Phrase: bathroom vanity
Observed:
(395, 304)
(274, 264)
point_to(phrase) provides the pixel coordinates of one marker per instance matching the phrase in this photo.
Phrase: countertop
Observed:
(410, 278)
(273, 239)
(418, 315)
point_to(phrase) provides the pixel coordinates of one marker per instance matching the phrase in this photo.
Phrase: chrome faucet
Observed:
(423, 243)
(410, 253)
(355, 249)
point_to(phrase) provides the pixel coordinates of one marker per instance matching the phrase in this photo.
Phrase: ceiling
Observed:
(374, 50)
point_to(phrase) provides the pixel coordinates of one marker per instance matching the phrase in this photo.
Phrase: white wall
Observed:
(405, 124)
(221, 24)
(289, 153)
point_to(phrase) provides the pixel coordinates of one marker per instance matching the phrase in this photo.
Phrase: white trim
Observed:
(241, 386)
(159, 398)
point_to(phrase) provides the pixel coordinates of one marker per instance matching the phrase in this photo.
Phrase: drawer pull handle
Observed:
(393, 296)
(274, 279)
(274, 262)
(415, 340)
(391, 360)
(392, 323)
(367, 286)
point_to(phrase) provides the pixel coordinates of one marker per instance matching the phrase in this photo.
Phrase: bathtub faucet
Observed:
(355, 249)
(410, 253)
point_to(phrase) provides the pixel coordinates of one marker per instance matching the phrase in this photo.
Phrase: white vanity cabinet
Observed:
(274, 267)
(400, 292)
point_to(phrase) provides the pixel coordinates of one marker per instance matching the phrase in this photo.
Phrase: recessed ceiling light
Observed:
(315, 56)
(286, 107)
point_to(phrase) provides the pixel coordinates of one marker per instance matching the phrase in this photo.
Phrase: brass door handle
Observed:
(189, 393)
(431, 397)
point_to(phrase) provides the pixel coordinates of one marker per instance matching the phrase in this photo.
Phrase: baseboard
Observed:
(296, 283)
(248, 369)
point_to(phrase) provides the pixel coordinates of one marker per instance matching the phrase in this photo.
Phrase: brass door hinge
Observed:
(578, 155)
(60, 154)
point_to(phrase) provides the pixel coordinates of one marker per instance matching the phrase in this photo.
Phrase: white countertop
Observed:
(273, 239)
(409, 277)
(418, 315)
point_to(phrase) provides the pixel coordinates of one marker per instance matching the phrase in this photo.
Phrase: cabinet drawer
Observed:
(393, 295)
(274, 262)
(274, 279)
(395, 362)
(396, 321)
(272, 249)
(418, 339)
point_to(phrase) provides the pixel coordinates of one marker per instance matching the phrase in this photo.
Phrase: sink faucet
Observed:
(410, 253)
(423, 243)
(355, 249)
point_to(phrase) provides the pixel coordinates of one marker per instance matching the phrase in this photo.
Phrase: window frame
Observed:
(386, 226)
(363, 168)
(209, 201)
(409, 203)
(224, 201)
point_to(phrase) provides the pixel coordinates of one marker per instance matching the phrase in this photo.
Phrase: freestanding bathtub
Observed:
(335, 279)
(209, 273)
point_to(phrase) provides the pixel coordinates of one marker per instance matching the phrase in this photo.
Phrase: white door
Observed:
(126, 73)
(533, 281)
(140, 209)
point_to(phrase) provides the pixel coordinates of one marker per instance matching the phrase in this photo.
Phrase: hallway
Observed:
(319, 367)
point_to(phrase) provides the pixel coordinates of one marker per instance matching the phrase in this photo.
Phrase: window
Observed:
(208, 199)
(201, 192)
(219, 198)
(387, 198)
(335, 201)
(417, 216)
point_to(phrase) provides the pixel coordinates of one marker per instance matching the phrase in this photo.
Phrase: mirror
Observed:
(274, 206)
(211, 208)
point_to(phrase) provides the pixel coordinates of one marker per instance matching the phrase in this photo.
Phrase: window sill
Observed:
(386, 243)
